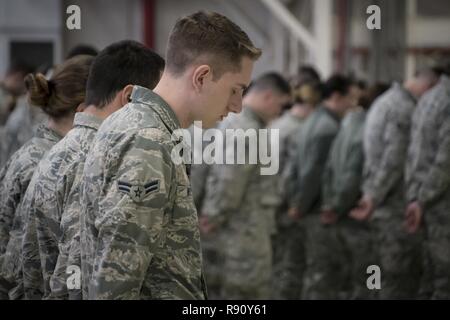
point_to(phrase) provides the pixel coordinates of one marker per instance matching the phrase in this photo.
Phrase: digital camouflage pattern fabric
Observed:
(15, 178)
(428, 181)
(51, 206)
(139, 229)
(241, 202)
(386, 140)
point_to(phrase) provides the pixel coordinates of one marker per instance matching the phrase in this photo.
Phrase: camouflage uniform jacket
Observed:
(428, 165)
(386, 139)
(138, 226)
(53, 195)
(15, 178)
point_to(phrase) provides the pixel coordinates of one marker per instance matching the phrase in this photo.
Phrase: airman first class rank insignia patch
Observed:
(138, 192)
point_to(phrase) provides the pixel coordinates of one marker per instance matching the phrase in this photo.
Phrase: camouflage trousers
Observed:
(399, 254)
(4, 285)
(212, 264)
(356, 239)
(247, 265)
(11, 277)
(69, 255)
(437, 250)
(11, 290)
(288, 262)
(337, 257)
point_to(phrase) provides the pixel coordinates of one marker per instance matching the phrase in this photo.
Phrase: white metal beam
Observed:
(294, 55)
(322, 29)
(291, 23)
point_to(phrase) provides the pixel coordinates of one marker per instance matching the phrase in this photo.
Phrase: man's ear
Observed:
(125, 94)
(81, 107)
(268, 95)
(200, 75)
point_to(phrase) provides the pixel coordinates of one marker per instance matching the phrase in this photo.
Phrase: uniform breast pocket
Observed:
(183, 190)
(184, 214)
(184, 202)
(183, 232)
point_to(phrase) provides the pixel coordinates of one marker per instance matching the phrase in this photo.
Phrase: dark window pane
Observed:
(435, 8)
(34, 54)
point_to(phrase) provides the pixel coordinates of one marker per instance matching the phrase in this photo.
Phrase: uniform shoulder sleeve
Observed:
(136, 202)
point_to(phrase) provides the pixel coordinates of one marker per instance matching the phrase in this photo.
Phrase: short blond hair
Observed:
(211, 38)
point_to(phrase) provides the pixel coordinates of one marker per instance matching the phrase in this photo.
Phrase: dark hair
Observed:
(63, 93)
(211, 38)
(273, 81)
(336, 83)
(430, 74)
(118, 65)
(82, 49)
(438, 70)
(361, 84)
(372, 93)
(307, 74)
(446, 69)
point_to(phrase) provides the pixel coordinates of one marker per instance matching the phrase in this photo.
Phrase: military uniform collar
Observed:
(334, 115)
(289, 114)
(44, 132)
(83, 119)
(87, 120)
(161, 107)
(250, 113)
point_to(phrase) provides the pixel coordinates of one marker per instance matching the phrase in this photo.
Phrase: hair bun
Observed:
(39, 90)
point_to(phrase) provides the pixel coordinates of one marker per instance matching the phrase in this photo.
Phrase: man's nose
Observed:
(235, 107)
